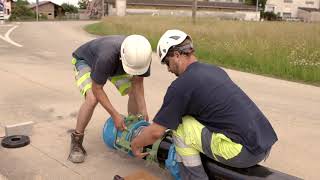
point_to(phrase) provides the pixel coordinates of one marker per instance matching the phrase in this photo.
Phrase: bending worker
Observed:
(207, 112)
(125, 61)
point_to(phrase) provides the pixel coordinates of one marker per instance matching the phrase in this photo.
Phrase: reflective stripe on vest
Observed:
(188, 155)
(183, 149)
(86, 88)
(82, 72)
(190, 131)
(73, 61)
(85, 83)
(83, 79)
(224, 147)
(122, 83)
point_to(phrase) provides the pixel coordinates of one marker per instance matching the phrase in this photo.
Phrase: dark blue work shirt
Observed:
(208, 94)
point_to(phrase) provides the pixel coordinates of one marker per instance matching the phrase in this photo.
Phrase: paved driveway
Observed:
(37, 85)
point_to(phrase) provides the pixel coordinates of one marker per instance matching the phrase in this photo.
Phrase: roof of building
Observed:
(310, 9)
(33, 5)
(186, 3)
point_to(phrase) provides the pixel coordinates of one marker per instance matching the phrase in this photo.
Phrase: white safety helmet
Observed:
(136, 54)
(169, 39)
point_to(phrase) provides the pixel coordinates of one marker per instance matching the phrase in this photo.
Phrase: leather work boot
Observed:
(77, 152)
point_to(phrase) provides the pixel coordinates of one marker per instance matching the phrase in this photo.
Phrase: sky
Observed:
(59, 2)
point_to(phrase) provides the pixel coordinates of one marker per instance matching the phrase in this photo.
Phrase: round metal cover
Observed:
(15, 141)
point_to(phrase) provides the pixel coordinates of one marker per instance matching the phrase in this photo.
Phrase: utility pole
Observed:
(257, 5)
(194, 10)
(102, 8)
(37, 10)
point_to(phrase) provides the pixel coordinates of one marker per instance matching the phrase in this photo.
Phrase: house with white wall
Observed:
(288, 9)
(1, 8)
(6, 7)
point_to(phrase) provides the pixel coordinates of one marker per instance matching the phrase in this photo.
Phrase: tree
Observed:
(270, 16)
(22, 11)
(69, 8)
(83, 4)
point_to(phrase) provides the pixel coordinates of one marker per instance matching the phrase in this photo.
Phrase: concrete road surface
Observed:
(37, 84)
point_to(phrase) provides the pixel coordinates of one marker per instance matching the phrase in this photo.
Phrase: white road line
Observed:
(7, 38)
(6, 25)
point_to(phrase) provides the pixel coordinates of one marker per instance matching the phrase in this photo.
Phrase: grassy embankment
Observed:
(283, 50)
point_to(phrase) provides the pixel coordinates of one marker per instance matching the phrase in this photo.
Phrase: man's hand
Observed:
(148, 135)
(137, 151)
(103, 99)
(119, 122)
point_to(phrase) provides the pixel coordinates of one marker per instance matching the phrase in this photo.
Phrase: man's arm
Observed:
(148, 136)
(137, 92)
(103, 99)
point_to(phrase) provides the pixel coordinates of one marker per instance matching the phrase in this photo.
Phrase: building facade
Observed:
(6, 7)
(48, 9)
(288, 9)
(309, 14)
(231, 1)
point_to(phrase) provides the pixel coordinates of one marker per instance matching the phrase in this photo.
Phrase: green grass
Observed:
(284, 50)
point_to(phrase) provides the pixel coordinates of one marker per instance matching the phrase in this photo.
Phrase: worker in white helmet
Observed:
(125, 61)
(207, 113)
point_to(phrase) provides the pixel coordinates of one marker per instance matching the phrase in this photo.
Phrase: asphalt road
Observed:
(37, 84)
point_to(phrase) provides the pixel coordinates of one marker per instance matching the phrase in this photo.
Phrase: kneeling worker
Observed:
(207, 112)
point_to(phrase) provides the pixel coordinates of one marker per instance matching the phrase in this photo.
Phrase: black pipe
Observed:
(216, 170)
(163, 150)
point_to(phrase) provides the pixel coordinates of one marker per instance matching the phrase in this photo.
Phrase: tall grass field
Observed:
(283, 50)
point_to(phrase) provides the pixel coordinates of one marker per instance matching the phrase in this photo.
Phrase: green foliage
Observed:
(22, 3)
(83, 4)
(22, 11)
(69, 8)
(270, 16)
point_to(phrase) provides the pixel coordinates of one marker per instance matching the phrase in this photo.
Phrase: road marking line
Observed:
(6, 25)
(7, 38)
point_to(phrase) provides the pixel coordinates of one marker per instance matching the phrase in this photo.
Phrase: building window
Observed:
(270, 8)
(288, 1)
(8, 11)
(310, 2)
(286, 15)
